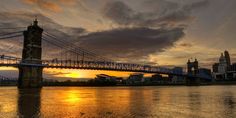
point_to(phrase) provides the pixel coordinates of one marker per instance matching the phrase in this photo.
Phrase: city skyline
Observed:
(167, 35)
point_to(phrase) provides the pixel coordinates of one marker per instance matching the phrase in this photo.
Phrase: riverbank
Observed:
(164, 84)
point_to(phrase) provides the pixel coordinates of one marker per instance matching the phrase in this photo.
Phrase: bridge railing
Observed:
(103, 65)
(9, 60)
(93, 65)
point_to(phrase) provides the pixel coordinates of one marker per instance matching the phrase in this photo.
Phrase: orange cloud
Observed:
(30, 1)
(51, 6)
(67, 2)
(48, 5)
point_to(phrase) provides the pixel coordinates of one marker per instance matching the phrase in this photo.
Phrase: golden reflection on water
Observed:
(75, 102)
(72, 97)
(8, 108)
(8, 102)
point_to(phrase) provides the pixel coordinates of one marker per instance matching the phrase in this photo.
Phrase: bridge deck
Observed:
(92, 65)
(118, 67)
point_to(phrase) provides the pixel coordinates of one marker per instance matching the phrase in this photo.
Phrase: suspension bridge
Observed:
(67, 56)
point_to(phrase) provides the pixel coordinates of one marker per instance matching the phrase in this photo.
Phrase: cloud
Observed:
(161, 13)
(151, 30)
(196, 5)
(188, 45)
(141, 34)
(45, 5)
(131, 43)
(119, 12)
(51, 5)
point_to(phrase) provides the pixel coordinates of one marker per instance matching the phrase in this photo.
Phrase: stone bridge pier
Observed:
(192, 69)
(30, 69)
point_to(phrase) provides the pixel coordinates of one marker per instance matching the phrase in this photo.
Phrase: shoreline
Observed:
(202, 84)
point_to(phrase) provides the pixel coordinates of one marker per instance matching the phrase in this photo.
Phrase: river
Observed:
(126, 102)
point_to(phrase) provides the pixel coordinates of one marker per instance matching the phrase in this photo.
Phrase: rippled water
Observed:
(74, 102)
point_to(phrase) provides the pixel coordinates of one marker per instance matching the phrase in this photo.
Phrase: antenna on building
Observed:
(36, 21)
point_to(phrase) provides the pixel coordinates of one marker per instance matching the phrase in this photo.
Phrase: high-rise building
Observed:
(222, 68)
(227, 58)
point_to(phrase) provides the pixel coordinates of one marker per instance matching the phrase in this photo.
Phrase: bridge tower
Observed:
(30, 71)
(192, 69)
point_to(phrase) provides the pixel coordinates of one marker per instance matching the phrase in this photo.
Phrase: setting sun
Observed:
(72, 75)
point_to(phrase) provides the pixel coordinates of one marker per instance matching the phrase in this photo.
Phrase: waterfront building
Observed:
(205, 73)
(231, 74)
(147, 80)
(215, 67)
(104, 78)
(119, 80)
(233, 67)
(134, 79)
(157, 78)
(222, 68)
(227, 58)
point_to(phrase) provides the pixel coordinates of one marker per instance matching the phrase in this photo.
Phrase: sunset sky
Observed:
(155, 32)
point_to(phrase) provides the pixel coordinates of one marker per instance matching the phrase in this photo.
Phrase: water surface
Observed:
(74, 102)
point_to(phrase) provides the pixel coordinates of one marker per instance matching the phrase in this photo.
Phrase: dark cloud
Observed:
(196, 5)
(120, 12)
(162, 13)
(131, 44)
(156, 27)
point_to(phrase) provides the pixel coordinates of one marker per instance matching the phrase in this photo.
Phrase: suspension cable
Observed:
(66, 45)
(74, 46)
(6, 28)
(60, 46)
(11, 33)
(8, 37)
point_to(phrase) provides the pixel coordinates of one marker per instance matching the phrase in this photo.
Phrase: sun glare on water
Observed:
(72, 97)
